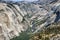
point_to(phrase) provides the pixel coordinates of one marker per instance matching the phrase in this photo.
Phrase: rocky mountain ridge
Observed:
(19, 16)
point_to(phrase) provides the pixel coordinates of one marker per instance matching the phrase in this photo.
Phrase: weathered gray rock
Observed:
(18, 17)
(10, 23)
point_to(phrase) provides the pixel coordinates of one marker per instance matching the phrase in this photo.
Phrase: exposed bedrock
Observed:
(18, 17)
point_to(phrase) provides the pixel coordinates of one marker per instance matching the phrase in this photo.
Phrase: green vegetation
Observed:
(47, 33)
(23, 36)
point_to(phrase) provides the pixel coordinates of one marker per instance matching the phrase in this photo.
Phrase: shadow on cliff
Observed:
(57, 16)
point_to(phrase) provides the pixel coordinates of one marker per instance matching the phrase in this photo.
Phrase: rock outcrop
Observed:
(19, 16)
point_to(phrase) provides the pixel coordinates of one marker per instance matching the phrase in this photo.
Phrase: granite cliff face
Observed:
(16, 17)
